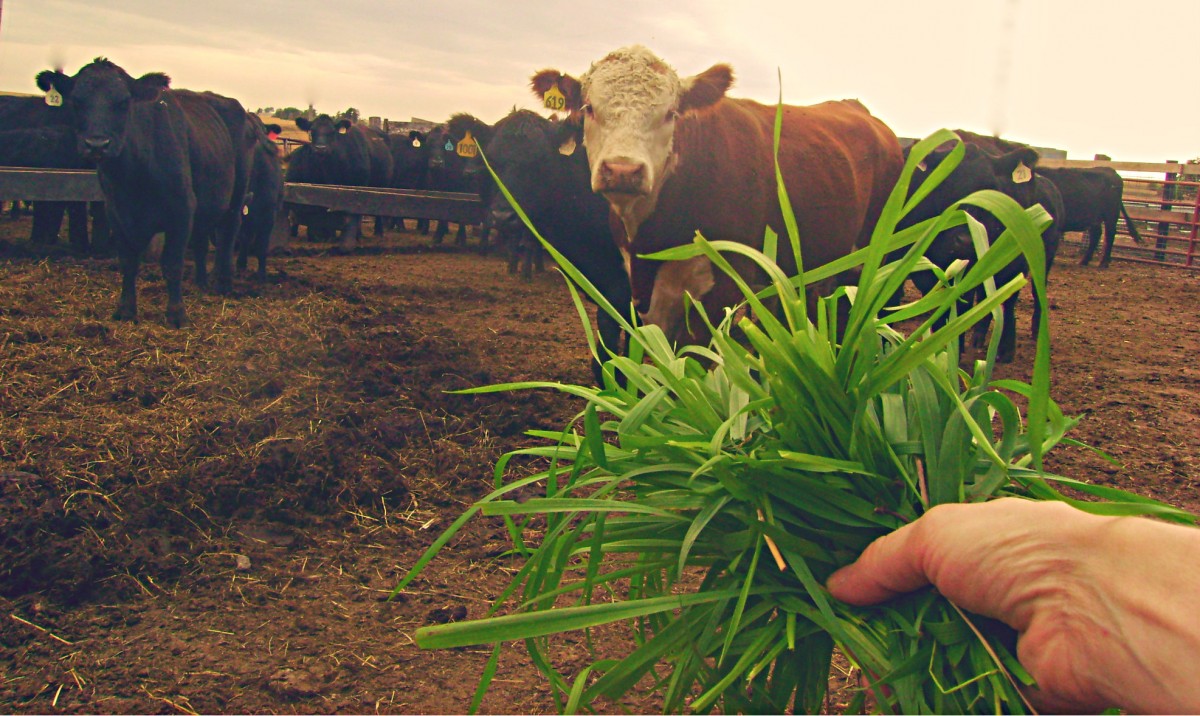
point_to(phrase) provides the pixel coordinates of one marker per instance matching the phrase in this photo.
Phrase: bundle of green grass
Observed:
(704, 493)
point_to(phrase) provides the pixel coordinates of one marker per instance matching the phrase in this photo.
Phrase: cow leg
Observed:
(440, 233)
(101, 237)
(262, 247)
(1110, 236)
(1089, 248)
(461, 237)
(1008, 330)
(350, 231)
(47, 220)
(174, 245)
(199, 241)
(380, 227)
(77, 225)
(227, 235)
(130, 247)
(127, 303)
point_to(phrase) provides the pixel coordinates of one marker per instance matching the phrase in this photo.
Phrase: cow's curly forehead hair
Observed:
(631, 77)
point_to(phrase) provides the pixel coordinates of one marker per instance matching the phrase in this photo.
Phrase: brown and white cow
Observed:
(675, 155)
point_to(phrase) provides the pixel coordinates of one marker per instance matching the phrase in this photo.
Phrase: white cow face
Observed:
(630, 102)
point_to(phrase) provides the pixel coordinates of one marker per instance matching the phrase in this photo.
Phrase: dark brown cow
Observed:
(674, 156)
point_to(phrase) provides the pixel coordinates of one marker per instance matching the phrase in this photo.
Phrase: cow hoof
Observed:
(123, 314)
(177, 318)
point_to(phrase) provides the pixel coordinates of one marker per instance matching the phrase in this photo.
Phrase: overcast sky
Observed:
(1083, 75)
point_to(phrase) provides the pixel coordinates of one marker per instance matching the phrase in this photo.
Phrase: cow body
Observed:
(34, 134)
(1012, 173)
(674, 157)
(452, 169)
(410, 163)
(555, 192)
(342, 154)
(264, 197)
(1092, 199)
(169, 161)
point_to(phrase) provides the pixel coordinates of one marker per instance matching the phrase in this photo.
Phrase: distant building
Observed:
(416, 123)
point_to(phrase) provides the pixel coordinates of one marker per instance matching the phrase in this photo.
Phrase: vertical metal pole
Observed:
(1164, 228)
(1191, 252)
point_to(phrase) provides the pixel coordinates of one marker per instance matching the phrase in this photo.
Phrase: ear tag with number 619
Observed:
(554, 99)
(53, 98)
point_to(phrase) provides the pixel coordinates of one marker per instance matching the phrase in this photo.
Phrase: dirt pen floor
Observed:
(209, 519)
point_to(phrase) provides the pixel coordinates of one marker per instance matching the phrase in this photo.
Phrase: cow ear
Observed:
(273, 128)
(567, 134)
(706, 88)
(1009, 161)
(56, 80)
(546, 80)
(149, 85)
(303, 124)
(343, 125)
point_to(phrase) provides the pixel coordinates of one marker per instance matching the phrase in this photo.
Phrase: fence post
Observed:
(1164, 227)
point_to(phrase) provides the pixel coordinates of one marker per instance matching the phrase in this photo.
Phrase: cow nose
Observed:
(624, 177)
(505, 219)
(97, 144)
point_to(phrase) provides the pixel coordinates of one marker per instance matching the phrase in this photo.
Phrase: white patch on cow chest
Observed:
(674, 279)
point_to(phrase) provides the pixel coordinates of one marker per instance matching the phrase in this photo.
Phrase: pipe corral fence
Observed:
(1163, 199)
(83, 185)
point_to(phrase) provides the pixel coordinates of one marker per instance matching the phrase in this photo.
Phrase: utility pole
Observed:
(1003, 67)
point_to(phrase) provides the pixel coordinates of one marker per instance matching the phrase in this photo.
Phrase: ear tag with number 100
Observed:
(554, 99)
(53, 98)
(468, 148)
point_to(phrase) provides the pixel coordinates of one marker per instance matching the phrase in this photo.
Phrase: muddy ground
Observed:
(209, 519)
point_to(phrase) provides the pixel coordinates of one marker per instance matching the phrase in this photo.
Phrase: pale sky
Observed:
(1082, 75)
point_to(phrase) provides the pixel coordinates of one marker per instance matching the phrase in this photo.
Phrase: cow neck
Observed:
(692, 184)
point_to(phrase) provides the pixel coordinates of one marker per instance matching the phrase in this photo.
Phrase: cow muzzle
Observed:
(506, 220)
(95, 147)
(617, 177)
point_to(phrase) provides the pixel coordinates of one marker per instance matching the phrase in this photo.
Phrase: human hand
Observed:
(1104, 613)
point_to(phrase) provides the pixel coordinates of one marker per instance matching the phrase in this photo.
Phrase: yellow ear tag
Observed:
(53, 98)
(1021, 174)
(468, 147)
(567, 148)
(554, 99)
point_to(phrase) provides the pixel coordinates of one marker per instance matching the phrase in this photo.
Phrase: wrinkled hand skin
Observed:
(1106, 607)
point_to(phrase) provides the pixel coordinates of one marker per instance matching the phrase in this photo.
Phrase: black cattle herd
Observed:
(198, 168)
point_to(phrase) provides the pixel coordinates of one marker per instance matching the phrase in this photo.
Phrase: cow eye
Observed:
(672, 115)
(587, 110)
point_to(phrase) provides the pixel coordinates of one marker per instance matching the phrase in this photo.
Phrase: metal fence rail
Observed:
(83, 185)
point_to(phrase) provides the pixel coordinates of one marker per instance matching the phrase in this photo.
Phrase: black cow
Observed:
(555, 191)
(1092, 199)
(453, 164)
(33, 147)
(410, 162)
(1012, 174)
(342, 154)
(264, 196)
(1048, 196)
(169, 161)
